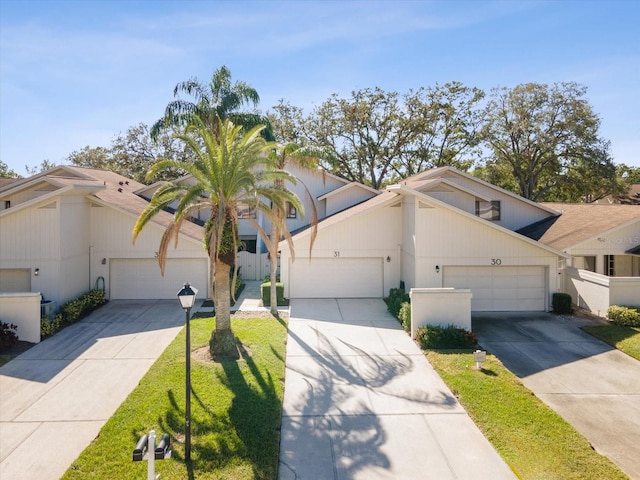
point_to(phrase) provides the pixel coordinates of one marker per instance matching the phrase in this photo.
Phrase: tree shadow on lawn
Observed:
(245, 433)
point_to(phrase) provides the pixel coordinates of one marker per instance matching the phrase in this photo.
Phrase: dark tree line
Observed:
(539, 141)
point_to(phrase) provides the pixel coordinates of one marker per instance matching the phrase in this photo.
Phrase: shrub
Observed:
(561, 303)
(435, 336)
(624, 316)
(49, 327)
(72, 311)
(265, 293)
(405, 316)
(397, 296)
(8, 334)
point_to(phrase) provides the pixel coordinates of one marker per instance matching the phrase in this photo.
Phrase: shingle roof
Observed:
(119, 193)
(579, 222)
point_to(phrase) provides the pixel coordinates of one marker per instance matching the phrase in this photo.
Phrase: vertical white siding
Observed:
(514, 214)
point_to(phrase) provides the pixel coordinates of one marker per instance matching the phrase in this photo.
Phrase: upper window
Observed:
(245, 211)
(488, 210)
(291, 211)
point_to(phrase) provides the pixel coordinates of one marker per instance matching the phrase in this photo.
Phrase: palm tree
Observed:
(305, 159)
(230, 170)
(219, 99)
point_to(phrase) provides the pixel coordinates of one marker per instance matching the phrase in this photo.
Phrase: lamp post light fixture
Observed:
(187, 297)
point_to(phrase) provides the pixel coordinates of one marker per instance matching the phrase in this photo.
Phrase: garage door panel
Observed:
(500, 288)
(336, 278)
(141, 279)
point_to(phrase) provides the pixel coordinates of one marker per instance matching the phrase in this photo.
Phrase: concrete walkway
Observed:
(362, 402)
(593, 386)
(55, 397)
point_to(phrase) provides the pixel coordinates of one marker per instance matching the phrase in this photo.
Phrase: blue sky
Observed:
(76, 73)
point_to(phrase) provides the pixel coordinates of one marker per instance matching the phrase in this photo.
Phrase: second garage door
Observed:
(140, 278)
(336, 278)
(500, 288)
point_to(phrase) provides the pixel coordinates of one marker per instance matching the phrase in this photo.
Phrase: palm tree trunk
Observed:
(222, 296)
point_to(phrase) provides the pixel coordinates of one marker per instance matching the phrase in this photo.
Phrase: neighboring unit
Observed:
(440, 228)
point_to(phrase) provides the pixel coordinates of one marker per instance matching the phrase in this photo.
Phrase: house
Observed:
(67, 230)
(603, 242)
(440, 228)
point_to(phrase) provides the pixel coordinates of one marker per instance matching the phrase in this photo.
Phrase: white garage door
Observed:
(500, 288)
(336, 278)
(15, 280)
(141, 279)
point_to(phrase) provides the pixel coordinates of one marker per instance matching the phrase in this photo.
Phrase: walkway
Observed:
(55, 397)
(362, 402)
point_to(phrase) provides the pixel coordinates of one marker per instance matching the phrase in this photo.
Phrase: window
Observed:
(245, 211)
(291, 211)
(7, 204)
(590, 263)
(609, 266)
(488, 210)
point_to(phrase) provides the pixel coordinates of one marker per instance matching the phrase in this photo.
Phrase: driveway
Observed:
(362, 402)
(593, 386)
(55, 397)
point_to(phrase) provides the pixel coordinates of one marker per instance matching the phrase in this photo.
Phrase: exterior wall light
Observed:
(437, 268)
(36, 272)
(388, 259)
(104, 261)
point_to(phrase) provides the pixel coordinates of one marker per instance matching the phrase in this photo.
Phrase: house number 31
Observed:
(336, 253)
(496, 261)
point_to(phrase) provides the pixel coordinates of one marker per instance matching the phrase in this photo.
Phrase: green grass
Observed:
(626, 339)
(235, 412)
(4, 359)
(532, 439)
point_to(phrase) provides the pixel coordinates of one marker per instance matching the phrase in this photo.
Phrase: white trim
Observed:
(348, 187)
(440, 181)
(441, 170)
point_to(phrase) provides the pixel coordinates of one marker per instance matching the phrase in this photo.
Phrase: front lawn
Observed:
(534, 441)
(626, 339)
(235, 411)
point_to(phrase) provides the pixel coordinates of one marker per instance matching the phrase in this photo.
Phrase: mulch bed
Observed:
(15, 349)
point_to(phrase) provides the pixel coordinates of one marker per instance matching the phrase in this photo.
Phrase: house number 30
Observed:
(496, 261)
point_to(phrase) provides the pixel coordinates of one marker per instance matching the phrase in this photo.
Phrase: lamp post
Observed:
(187, 297)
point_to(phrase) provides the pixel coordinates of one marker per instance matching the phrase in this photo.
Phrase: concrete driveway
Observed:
(55, 397)
(362, 402)
(593, 386)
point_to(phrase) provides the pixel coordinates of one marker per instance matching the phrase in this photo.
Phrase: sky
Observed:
(79, 72)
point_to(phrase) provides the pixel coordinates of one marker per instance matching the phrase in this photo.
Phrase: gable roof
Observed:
(579, 222)
(392, 194)
(349, 186)
(107, 188)
(423, 178)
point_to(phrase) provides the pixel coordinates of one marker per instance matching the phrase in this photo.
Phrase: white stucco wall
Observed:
(440, 306)
(22, 310)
